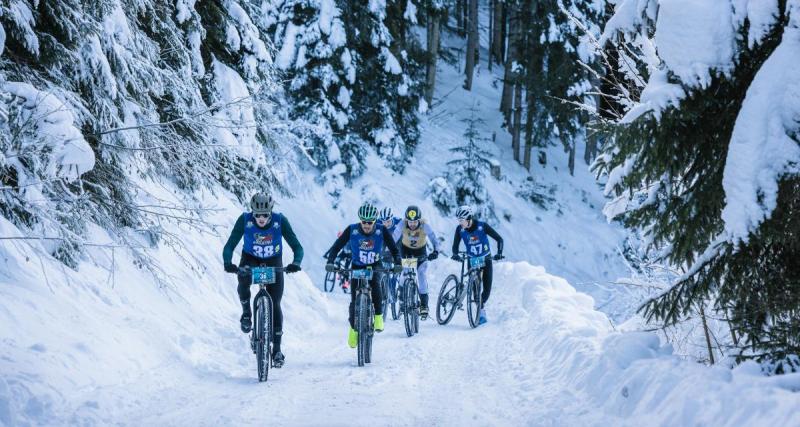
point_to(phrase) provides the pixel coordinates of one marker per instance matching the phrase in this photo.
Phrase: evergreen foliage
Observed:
(177, 94)
(463, 184)
(667, 167)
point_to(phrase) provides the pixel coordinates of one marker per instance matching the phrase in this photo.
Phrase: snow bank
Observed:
(631, 376)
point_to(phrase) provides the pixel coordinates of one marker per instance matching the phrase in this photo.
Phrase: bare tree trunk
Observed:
(708, 336)
(472, 42)
(591, 148)
(434, 21)
(509, 78)
(517, 123)
(491, 33)
(528, 131)
(497, 33)
(572, 145)
(460, 17)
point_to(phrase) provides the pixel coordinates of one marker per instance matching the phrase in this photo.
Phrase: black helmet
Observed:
(413, 213)
(367, 212)
(261, 203)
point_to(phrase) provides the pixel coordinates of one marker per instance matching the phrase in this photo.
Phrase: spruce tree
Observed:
(389, 85)
(668, 167)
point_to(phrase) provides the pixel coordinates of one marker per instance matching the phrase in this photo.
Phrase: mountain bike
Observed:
(409, 296)
(364, 310)
(262, 335)
(332, 278)
(455, 289)
(389, 292)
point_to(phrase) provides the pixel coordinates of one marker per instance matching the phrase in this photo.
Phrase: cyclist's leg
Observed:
(377, 296)
(487, 280)
(276, 293)
(422, 282)
(352, 310)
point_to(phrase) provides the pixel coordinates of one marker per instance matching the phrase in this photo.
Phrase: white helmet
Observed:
(386, 214)
(464, 212)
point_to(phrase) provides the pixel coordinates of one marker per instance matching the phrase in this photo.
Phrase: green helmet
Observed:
(413, 213)
(262, 203)
(367, 212)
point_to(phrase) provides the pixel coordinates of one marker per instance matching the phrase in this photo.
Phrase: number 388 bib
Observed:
(262, 242)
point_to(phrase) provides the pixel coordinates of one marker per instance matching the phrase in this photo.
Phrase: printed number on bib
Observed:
(475, 250)
(264, 251)
(367, 257)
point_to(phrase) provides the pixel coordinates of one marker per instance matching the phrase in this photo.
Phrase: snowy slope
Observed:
(139, 355)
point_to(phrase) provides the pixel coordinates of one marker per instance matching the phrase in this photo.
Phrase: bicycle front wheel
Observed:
(263, 336)
(384, 294)
(474, 299)
(393, 299)
(362, 326)
(447, 301)
(408, 305)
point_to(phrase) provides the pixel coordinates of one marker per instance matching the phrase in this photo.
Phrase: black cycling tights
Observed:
(274, 290)
(487, 280)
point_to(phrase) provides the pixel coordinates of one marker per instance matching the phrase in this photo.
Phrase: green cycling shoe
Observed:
(378, 323)
(352, 338)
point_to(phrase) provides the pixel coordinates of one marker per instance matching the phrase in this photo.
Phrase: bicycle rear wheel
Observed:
(415, 316)
(362, 325)
(330, 281)
(263, 336)
(474, 299)
(393, 299)
(448, 300)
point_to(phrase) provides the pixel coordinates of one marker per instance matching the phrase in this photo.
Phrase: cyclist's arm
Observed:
(456, 239)
(431, 236)
(494, 235)
(388, 241)
(338, 245)
(233, 240)
(291, 239)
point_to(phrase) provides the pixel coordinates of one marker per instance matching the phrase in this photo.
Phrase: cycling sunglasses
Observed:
(261, 215)
(368, 222)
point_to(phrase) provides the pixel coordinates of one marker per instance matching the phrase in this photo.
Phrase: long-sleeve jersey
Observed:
(425, 228)
(344, 239)
(474, 226)
(286, 232)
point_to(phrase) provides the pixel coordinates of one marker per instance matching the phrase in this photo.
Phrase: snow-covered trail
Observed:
(446, 375)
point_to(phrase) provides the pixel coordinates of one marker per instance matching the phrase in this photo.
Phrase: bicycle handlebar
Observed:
(246, 270)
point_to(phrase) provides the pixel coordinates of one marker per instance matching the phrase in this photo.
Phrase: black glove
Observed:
(456, 257)
(398, 268)
(498, 257)
(231, 268)
(292, 268)
(433, 255)
(330, 268)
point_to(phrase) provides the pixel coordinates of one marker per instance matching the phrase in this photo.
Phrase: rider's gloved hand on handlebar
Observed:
(292, 268)
(231, 268)
(398, 268)
(456, 257)
(330, 268)
(433, 255)
(498, 257)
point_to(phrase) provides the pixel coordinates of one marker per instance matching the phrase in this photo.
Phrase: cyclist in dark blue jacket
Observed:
(263, 231)
(366, 241)
(475, 235)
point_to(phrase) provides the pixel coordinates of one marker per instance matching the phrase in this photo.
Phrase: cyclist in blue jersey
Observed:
(475, 235)
(263, 231)
(366, 240)
(390, 221)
